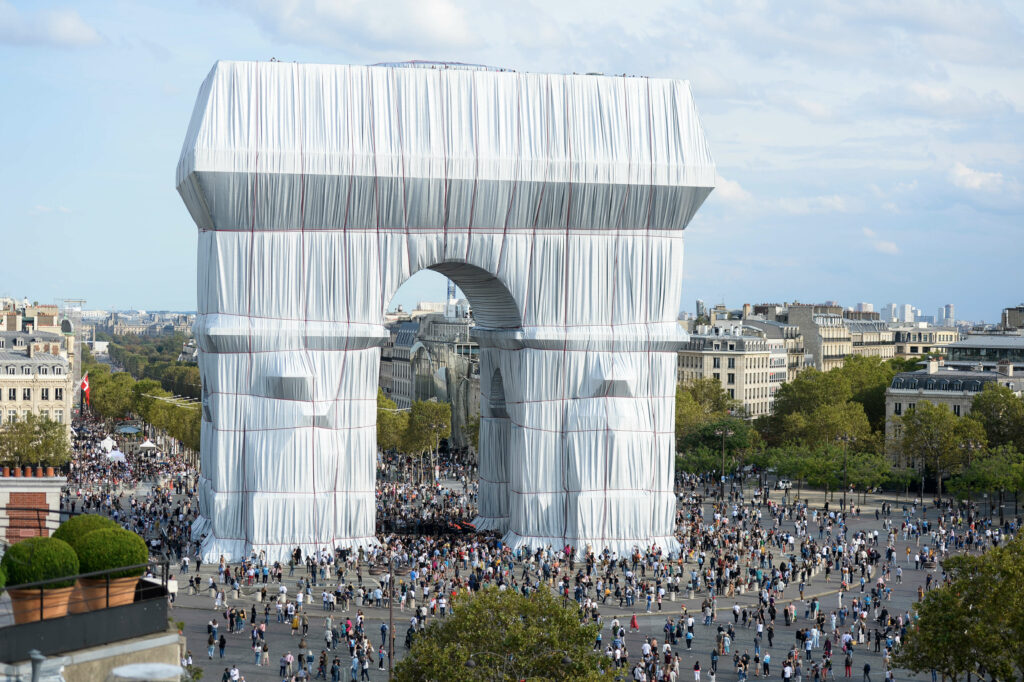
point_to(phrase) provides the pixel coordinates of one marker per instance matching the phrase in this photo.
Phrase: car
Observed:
(784, 484)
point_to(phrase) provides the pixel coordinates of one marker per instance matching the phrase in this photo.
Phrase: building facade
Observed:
(871, 338)
(749, 368)
(912, 340)
(986, 351)
(826, 335)
(939, 384)
(35, 377)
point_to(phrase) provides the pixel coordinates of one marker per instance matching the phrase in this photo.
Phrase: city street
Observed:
(196, 612)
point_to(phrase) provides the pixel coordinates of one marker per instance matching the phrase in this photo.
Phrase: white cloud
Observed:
(730, 190)
(804, 205)
(60, 27)
(880, 245)
(968, 178)
(39, 209)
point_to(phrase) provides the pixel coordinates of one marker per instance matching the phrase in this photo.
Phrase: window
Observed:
(58, 416)
(732, 378)
(26, 394)
(732, 363)
(45, 414)
(716, 362)
(43, 370)
(956, 410)
(26, 370)
(717, 376)
(58, 370)
(44, 394)
(58, 394)
(897, 409)
(12, 416)
(910, 406)
(11, 370)
(732, 394)
(12, 394)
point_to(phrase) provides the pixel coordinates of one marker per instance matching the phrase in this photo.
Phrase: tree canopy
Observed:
(1001, 414)
(933, 437)
(508, 637)
(34, 440)
(975, 624)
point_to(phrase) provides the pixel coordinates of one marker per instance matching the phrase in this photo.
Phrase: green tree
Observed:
(112, 398)
(932, 436)
(1001, 414)
(504, 636)
(976, 622)
(472, 431)
(698, 403)
(35, 440)
(391, 424)
(429, 422)
(868, 378)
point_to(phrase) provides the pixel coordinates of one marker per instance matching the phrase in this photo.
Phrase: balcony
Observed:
(145, 615)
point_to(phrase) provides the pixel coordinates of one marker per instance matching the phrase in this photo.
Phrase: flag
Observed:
(85, 388)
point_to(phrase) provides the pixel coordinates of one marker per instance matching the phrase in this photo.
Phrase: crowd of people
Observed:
(760, 551)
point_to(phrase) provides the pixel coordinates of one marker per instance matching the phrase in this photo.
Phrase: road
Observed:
(196, 611)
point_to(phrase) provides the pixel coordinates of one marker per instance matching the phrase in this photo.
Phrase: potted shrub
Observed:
(72, 532)
(34, 560)
(107, 549)
(77, 527)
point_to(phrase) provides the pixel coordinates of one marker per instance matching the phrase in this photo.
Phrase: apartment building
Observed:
(871, 338)
(912, 340)
(35, 377)
(750, 368)
(939, 384)
(826, 334)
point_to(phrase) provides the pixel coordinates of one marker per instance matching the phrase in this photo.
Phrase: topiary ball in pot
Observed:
(76, 528)
(35, 560)
(110, 548)
(103, 550)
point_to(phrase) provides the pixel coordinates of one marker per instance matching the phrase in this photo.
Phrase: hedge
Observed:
(102, 550)
(76, 528)
(36, 559)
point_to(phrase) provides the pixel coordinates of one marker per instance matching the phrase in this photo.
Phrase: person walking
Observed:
(867, 672)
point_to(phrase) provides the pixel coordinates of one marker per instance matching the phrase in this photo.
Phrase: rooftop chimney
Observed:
(933, 365)
(1005, 367)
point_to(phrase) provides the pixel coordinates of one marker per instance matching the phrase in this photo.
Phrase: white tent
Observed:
(108, 444)
(147, 445)
(116, 456)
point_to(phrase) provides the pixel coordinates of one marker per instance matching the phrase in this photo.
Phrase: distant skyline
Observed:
(866, 152)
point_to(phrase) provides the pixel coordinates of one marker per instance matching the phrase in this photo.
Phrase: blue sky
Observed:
(868, 151)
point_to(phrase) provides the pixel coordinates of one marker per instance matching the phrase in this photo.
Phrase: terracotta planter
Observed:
(25, 604)
(93, 592)
(7, 471)
(49, 472)
(26, 472)
(39, 472)
(16, 472)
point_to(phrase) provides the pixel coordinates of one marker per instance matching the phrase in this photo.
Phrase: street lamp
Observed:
(845, 439)
(968, 447)
(724, 433)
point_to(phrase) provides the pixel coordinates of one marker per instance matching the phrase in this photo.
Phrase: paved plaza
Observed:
(196, 612)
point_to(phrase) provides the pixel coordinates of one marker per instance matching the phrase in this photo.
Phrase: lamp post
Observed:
(724, 433)
(968, 447)
(845, 439)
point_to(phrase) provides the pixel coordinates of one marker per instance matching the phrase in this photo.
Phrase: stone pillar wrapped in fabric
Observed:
(557, 203)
